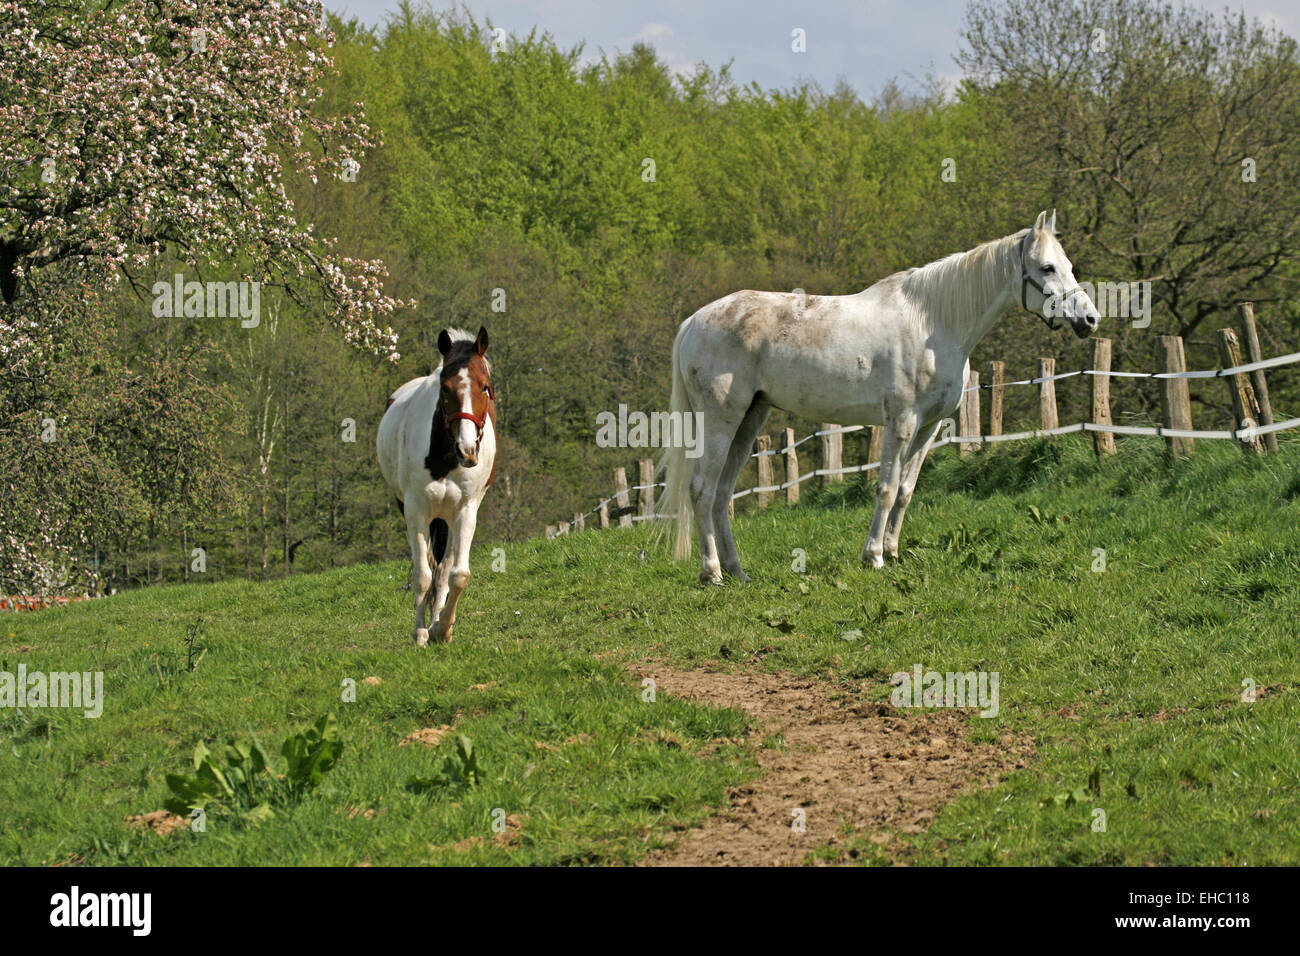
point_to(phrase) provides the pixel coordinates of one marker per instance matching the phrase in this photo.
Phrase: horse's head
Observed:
(466, 395)
(1045, 268)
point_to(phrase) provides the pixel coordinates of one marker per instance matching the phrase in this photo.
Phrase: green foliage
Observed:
(459, 770)
(241, 779)
(311, 754)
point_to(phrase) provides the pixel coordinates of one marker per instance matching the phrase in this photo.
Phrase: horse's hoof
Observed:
(421, 638)
(739, 575)
(875, 560)
(710, 577)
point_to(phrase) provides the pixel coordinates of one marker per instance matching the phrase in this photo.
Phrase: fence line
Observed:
(1246, 382)
(1207, 373)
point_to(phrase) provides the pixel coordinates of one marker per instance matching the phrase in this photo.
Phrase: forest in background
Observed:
(580, 211)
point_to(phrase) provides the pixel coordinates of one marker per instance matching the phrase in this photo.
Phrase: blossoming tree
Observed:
(128, 127)
(132, 133)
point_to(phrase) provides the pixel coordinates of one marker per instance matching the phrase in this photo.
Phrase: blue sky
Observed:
(863, 42)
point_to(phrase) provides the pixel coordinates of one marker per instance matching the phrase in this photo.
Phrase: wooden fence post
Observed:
(645, 498)
(579, 522)
(997, 375)
(1244, 405)
(603, 510)
(1047, 394)
(832, 452)
(550, 531)
(564, 528)
(791, 468)
(1176, 396)
(621, 498)
(1103, 443)
(877, 444)
(764, 470)
(1250, 339)
(969, 413)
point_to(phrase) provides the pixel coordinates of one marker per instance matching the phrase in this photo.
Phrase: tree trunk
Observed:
(265, 542)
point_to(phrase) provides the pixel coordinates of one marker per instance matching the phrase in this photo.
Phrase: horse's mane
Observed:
(954, 291)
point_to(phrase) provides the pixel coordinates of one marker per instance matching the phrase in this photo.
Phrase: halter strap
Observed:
(1027, 280)
(479, 421)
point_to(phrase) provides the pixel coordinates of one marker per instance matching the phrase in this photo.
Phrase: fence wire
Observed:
(1249, 433)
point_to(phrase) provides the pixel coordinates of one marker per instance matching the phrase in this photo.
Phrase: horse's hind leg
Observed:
(438, 539)
(438, 533)
(913, 459)
(705, 488)
(737, 455)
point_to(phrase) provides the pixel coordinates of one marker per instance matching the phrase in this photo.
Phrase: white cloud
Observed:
(654, 31)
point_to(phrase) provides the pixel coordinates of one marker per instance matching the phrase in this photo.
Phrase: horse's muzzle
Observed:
(466, 457)
(1085, 325)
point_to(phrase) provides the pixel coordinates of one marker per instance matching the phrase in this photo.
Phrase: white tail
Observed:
(675, 465)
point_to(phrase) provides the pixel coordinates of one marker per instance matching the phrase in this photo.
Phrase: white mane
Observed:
(956, 290)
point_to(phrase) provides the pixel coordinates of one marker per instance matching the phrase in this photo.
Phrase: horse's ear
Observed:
(444, 342)
(1051, 223)
(1041, 221)
(481, 343)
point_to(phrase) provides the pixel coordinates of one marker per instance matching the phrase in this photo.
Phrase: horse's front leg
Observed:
(912, 462)
(455, 564)
(898, 434)
(421, 572)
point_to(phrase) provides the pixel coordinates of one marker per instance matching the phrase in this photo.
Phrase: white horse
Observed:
(896, 354)
(437, 450)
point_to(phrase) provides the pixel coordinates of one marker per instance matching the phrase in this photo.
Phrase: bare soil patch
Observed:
(429, 736)
(853, 768)
(161, 822)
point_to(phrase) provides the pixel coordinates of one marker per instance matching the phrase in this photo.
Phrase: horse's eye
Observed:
(1048, 267)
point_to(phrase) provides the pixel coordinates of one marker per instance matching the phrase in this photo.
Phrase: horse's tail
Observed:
(674, 463)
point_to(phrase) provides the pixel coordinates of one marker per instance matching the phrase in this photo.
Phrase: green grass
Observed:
(1129, 680)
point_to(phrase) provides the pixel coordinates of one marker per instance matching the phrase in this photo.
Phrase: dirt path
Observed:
(864, 766)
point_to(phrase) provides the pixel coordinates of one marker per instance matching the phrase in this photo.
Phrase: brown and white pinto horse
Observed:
(437, 450)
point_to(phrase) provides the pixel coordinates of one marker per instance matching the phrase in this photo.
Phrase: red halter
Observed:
(478, 421)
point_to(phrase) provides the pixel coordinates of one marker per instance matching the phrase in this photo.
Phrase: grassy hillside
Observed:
(1129, 680)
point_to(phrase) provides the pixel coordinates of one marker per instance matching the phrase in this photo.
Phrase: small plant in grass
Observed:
(1080, 794)
(462, 770)
(119, 853)
(240, 779)
(194, 652)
